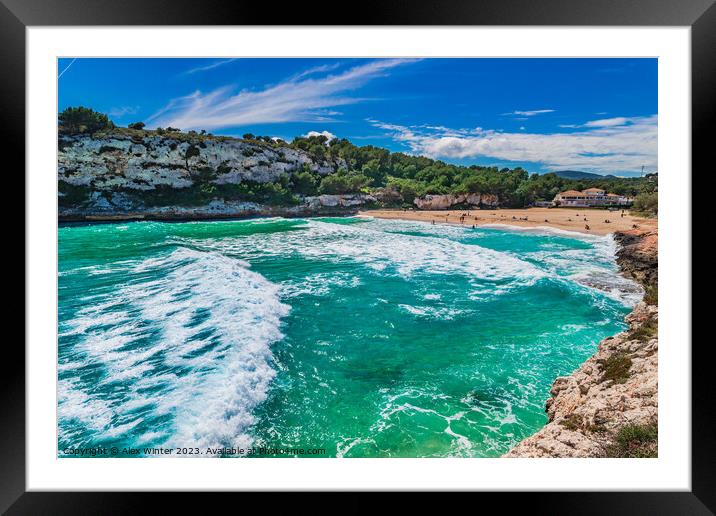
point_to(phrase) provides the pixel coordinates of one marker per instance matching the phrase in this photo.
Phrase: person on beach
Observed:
(586, 226)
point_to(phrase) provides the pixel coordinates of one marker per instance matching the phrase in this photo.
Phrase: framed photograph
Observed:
(269, 251)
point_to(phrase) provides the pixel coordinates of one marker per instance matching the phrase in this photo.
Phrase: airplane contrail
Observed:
(67, 67)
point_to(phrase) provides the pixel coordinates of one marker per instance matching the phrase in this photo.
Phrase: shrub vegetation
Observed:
(635, 441)
(616, 368)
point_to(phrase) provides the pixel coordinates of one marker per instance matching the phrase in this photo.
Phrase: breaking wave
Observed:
(192, 331)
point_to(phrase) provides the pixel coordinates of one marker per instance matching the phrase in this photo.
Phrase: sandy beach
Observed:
(568, 219)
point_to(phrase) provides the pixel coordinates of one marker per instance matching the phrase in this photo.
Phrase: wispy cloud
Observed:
(300, 98)
(601, 147)
(119, 112)
(604, 122)
(315, 70)
(608, 122)
(529, 113)
(210, 66)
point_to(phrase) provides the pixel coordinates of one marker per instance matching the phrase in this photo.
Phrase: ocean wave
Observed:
(386, 252)
(546, 230)
(192, 340)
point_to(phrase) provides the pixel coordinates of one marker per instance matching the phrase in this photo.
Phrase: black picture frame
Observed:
(700, 15)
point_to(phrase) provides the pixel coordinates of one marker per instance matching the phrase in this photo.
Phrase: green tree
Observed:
(83, 120)
(342, 183)
(304, 183)
(647, 203)
(191, 151)
(137, 125)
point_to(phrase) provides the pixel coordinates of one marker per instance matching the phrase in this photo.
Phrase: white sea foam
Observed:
(545, 230)
(192, 343)
(318, 284)
(386, 252)
(431, 312)
(592, 267)
(405, 403)
(383, 246)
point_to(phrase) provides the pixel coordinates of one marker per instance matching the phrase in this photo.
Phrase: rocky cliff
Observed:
(181, 176)
(609, 406)
(444, 202)
(143, 163)
(638, 255)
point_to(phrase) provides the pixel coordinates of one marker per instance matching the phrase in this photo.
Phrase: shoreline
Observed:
(496, 219)
(564, 219)
(187, 217)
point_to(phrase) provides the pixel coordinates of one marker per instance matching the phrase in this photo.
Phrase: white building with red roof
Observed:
(591, 197)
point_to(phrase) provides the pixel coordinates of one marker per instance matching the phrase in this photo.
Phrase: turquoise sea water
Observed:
(368, 338)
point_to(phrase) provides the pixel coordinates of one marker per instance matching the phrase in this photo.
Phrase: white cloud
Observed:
(601, 148)
(296, 99)
(327, 134)
(530, 113)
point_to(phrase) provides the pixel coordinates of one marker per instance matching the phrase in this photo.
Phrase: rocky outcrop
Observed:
(388, 195)
(638, 255)
(444, 202)
(615, 389)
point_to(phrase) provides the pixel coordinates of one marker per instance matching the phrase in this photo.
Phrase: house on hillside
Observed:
(591, 197)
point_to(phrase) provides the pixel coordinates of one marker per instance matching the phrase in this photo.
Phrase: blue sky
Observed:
(596, 115)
